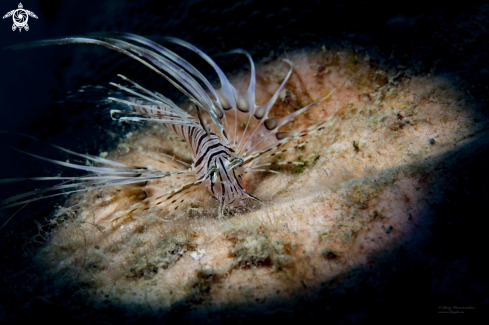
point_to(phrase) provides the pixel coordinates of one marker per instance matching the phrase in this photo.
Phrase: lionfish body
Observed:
(219, 156)
(212, 156)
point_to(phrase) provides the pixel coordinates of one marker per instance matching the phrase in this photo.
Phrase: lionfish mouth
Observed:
(336, 195)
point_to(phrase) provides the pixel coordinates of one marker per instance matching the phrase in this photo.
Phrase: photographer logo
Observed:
(20, 17)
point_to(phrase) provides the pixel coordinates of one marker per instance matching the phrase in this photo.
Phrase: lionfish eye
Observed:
(212, 172)
(214, 176)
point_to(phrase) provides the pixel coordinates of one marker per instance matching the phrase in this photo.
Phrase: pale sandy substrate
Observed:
(362, 193)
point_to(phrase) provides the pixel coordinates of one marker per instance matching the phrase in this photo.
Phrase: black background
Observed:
(447, 269)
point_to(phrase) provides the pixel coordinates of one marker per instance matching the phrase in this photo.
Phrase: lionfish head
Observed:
(225, 182)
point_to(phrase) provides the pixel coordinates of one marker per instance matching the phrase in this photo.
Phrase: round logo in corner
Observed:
(20, 17)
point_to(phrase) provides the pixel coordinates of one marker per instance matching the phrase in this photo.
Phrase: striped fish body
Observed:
(209, 151)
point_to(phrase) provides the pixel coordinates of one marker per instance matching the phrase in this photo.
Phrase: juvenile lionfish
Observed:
(220, 156)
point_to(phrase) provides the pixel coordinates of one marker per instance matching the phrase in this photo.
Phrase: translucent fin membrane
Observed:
(153, 107)
(261, 112)
(98, 177)
(166, 63)
(288, 136)
(246, 102)
(186, 78)
(243, 102)
(270, 126)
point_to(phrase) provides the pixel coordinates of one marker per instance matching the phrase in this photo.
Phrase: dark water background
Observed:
(449, 40)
